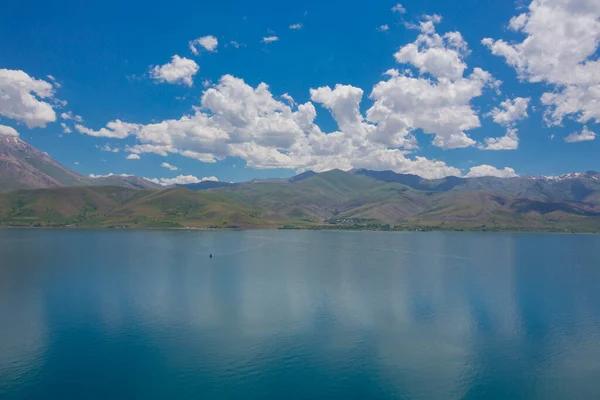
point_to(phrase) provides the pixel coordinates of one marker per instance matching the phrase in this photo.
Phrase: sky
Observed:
(236, 90)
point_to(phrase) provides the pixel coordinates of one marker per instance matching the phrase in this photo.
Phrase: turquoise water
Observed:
(298, 315)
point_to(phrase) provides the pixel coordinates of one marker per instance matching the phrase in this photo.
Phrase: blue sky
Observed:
(110, 61)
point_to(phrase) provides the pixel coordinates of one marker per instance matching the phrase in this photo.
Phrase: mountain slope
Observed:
(69, 204)
(317, 197)
(22, 166)
(112, 205)
(180, 206)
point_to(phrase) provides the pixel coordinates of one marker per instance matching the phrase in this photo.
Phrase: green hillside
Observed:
(331, 200)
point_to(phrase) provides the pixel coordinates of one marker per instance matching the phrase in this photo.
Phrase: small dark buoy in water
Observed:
(210, 256)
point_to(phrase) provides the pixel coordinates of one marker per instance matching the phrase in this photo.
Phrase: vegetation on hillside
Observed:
(330, 200)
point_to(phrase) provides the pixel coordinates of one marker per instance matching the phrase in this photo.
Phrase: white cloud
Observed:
(560, 50)
(76, 162)
(404, 104)
(296, 26)
(20, 98)
(510, 111)
(180, 70)
(288, 98)
(65, 128)
(510, 141)
(439, 101)
(209, 43)
(114, 129)
(108, 175)
(235, 119)
(181, 180)
(399, 8)
(584, 136)
(109, 149)
(69, 115)
(8, 131)
(427, 24)
(442, 57)
(270, 39)
(133, 157)
(169, 166)
(383, 28)
(488, 170)
(235, 44)
(56, 85)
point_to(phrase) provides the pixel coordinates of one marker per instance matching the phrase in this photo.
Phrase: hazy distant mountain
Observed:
(302, 176)
(123, 181)
(205, 185)
(22, 166)
(570, 187)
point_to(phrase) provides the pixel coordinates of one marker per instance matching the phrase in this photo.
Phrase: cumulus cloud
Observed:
(383, 28)
(169, 166)
(288, 98)
(133, 157)
(65, 128)
(180, 70)
(181, 180)
(404, 104)
(510, 141)
(441, 57)
(209, 43)
(438, 102)
(236, 119)
(584, 136)
(559, 49)
(20, 96)
(54, 82)
(488, 170)
(8, 131)
(510, 111)
(295, 26)
(270, 39)
(94, 176)
(69, 115)
(110, 149)
(114, 129)
(399, 8)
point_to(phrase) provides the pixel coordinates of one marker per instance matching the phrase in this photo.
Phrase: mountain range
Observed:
(38, 191)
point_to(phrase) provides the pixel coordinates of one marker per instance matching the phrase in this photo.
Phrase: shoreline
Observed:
(422, 229)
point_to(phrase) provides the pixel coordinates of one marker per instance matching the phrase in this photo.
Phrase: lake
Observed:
(98, 314)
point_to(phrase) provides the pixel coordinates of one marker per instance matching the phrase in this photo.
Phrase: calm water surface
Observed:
(298, 315)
